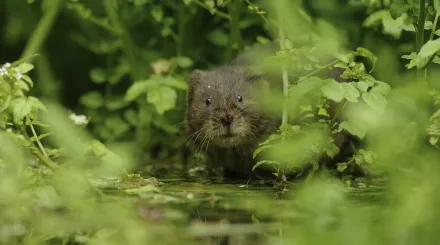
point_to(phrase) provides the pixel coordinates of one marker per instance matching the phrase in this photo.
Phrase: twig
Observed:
(37, 153)
(36, 137)
(285, 77)
(41, 31)
(215, 11)
(318, 70)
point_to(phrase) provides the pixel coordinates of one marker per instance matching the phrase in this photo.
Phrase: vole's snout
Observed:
(227, 120)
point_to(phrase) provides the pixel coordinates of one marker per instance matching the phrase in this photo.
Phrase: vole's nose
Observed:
(227, 120)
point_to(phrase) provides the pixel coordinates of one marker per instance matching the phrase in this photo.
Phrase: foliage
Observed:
(120, 68)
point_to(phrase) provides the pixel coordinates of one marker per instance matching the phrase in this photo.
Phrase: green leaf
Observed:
(375, 18)
(354, 127)
(22, 108)
(173, 82)
(331, 150)
(367, 54)
(288, 44)
(261, 149)
(429, 49)
(186, 2)
(341, 166)
(381, 88)
(157, 13)
(98, 75)
(115, 103)
(362, 86)
(163, 98)
(218, 37)
(27, 79)
(258, 164)
(437, 32)
(137, 89)
(184, 62)
(333, 90)
(375, 101)
(92, 100)
(25, 67)
(437, 6)
(36, 104)
(350, 92)
(41, 136)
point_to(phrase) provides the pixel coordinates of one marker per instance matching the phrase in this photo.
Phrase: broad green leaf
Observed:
(92, 99)
(362, 86)
(115, 103)
(437, 32)
(429, 49)
(157, 13)
(331, 150)
(174, 83)
(184, 62)
(410, 56)
(22, 108)
(354, 127)
(288, 44)
(375, 18)
(341, 166)
(163, 98)
(367, 54)
(437, 6)
(350, 92)
(218, 37)
(36, 104)
(375, 101)
(25, 67)
(98, 75)
(381, 88)
(137, 89)
(333, 90)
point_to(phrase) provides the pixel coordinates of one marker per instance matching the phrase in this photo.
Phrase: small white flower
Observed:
(19, 76)
(3, 71)
(78, 119)
(7, 65)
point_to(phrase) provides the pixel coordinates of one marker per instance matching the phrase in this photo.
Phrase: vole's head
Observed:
(222, 108)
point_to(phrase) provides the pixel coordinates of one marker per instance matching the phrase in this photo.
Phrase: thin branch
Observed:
(284, 71)
(36, 137)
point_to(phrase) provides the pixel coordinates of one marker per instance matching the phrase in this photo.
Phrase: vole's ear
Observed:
(251, 75)
(195, 77)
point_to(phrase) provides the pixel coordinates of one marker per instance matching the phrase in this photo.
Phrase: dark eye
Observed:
(239, 98)
(208, 101)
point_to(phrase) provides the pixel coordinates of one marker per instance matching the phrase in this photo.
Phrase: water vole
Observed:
(224, 119)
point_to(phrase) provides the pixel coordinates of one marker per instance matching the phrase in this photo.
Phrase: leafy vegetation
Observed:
(92, 97)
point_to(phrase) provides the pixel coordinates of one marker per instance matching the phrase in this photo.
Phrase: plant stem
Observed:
(420, 39)
(317, 70)
(45, 160)
(42, 30)
(111, 7)
(215, 11)
(434, 26)
(235, 41)
(36, 138)
(282, 46)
